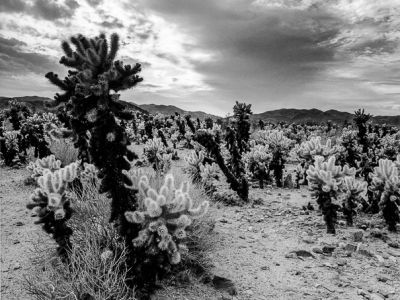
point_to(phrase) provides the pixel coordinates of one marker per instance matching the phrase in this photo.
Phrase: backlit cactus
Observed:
(280, 146)
(257, 162)
(194, 162)
(354, 192)
(41, 164)
(164, 216)
(312, 148)
(324, 182)
(386, 187)
(157, 155)
(52, 205)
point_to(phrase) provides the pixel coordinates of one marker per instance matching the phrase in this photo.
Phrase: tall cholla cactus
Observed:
(386, 186)
(52, 205)
(194, 161)
(353, 193)
(41, 164)
(280, 146)
(324, 182)
(164, 217)
(237, 182)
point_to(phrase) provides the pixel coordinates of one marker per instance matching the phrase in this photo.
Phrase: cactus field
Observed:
(99, 201)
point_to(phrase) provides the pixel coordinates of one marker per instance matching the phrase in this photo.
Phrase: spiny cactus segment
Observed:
(52, 205)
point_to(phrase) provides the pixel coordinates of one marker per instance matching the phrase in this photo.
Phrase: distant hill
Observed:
(315, 115)
(38, 103)
(280, 115)
(170, 110)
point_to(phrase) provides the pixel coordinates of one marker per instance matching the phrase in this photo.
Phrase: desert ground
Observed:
(271, 248)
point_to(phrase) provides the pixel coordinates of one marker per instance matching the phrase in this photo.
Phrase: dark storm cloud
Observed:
(253, 44)
(94, 3)
(15, 61)
(42, 9)
(12, 5)
(51, 10)
(112, 24)
(375, 46)
(171, 58)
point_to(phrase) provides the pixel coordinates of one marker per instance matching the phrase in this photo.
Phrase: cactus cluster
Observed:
(41, 164)
(10, 149)
(52, 205)
(157, 155)
(194, 163)
(314, 147)
(353, 194)
(164, 216)
(279, 146)
(325, 178)
(257, 162)
(386, 187)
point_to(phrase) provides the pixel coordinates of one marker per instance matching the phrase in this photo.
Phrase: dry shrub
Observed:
(64, 150)
(97, 268)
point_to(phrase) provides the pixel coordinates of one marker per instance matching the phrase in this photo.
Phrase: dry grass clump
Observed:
(97, 268)
(64, 150)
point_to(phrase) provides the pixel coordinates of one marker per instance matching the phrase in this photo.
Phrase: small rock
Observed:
(383, 278)
(328, 249)
(264, 268)
(303, 253)
(375, 297)
(394, 253)
(317, 250)
(379, 258)
(350, 248)
(394, 245)
(290, 255)
(223, 221)
(221, 283)
(341, 262)
(19, 223)
(358, 236)
(16, 266)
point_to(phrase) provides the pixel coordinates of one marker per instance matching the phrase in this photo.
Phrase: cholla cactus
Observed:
(257, 162)
(164, 216)
(156, 155)
(353, 193)
(324, 182)
(390, 146)
(386, 187)
(89, 172)
(41, 164)
(194, 161)
(10, 147)
(53, 205)
(351, 149)
(280, 146)
(274, 138)
(312, 148)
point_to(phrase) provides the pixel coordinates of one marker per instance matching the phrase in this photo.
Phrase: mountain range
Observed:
(280, 115)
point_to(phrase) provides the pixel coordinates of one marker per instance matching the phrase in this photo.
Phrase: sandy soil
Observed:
(18, 234)
(254, 248)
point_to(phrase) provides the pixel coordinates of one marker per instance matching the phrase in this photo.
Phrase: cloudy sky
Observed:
(205, 55)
